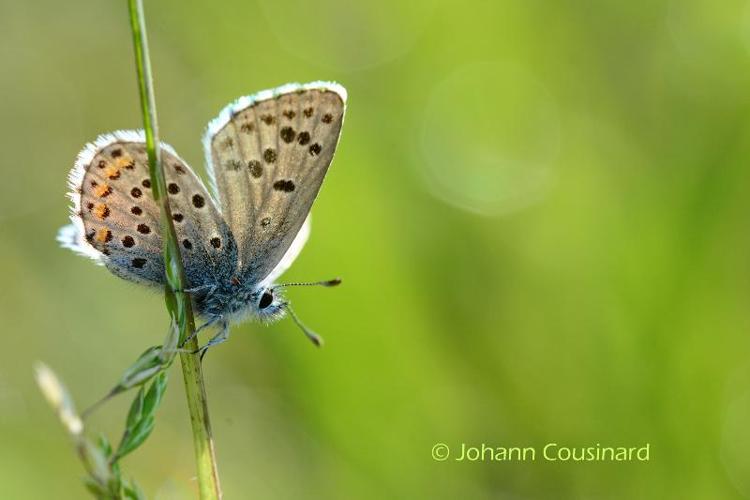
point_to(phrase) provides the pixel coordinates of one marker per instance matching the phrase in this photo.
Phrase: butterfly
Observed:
(266, 157)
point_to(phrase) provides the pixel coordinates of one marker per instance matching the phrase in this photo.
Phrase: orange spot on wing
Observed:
(102, 190)
(103, 235)
(101, 211)
(124, 161)
(112, 172)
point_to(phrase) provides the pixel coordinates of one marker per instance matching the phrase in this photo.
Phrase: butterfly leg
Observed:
(210, 287)
(220, 337)
(205, 325)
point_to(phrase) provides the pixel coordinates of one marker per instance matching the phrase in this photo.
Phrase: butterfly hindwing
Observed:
(116, 221)
(207, 246)
(268, 155)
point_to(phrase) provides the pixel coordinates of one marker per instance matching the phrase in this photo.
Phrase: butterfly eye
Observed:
(265, 300)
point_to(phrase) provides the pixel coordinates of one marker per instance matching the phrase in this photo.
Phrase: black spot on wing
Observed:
(256, 169)
(286, 186)
(269, 155)
(287, 134)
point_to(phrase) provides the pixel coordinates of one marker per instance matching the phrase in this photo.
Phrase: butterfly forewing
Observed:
(268, 155)
(116, 220)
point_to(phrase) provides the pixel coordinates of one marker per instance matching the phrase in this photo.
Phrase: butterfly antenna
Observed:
(327, 283)
(314, 337)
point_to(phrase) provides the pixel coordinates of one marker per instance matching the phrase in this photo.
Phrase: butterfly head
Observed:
(271, 305)
(238, 301)
(268, 303)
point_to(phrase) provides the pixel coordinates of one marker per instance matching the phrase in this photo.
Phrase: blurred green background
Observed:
(539, 209)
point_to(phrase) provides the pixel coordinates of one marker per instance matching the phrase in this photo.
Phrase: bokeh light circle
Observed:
(490, 138)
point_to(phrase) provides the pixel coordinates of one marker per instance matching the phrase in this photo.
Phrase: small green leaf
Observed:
(104, 445)
(94, 488)
(136, 411)
(115, 487)
(154, 395)
(95, 462)
(134, 439)
(116, 470)
(146, 366)
(169, 347)
(106, 448)
(132, 491)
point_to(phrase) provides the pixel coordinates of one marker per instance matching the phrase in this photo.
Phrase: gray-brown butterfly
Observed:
(266, 156)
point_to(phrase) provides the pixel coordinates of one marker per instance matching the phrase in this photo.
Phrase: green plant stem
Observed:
(177, 301)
